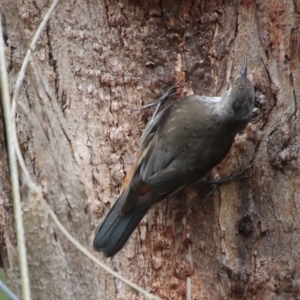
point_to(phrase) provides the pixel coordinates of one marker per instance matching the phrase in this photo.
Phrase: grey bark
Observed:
(104, 58)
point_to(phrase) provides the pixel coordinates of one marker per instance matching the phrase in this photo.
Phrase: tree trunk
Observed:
(105, 58)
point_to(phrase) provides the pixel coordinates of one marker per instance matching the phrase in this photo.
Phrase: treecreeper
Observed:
(180, 145)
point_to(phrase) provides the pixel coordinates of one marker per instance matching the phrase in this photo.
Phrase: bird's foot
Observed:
(220, 182)
(232, 177)
(171, 92)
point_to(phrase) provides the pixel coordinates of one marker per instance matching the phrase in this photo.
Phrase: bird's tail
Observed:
(112, 234)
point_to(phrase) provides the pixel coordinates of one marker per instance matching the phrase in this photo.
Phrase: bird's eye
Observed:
(237, 105)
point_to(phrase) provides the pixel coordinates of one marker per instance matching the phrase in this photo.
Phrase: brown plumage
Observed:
(184, 142)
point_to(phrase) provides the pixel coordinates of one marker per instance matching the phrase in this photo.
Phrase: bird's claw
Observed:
(169, 93)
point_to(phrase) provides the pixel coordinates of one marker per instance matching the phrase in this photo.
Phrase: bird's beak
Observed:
(244, 68)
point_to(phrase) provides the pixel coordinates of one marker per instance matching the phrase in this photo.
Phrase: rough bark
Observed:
(104, 58)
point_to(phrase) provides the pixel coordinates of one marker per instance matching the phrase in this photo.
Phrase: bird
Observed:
(179, 146)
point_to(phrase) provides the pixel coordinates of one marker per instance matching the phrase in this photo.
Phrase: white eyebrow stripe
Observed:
(171, 129)
(208, 99)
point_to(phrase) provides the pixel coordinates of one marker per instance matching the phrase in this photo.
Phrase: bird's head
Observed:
(239, 99)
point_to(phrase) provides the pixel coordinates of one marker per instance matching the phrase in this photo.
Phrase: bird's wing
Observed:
(155, 124)
(159, 170)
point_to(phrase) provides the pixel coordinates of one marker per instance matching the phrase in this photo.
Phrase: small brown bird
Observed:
(180, 145)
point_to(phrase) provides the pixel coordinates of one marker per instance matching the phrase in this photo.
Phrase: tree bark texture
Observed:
(103, 58)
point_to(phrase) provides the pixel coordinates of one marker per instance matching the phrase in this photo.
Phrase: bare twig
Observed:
(10, 137)
(28, 55)
(8, 292)
(95, 260)
(16, 150)
(19, 83)
(44, 85)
